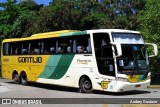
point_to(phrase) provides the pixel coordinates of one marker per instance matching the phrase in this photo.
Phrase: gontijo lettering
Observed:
(30, 59)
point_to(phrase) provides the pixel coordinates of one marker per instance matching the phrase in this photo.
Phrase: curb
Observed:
(154, 86)
(141, 105)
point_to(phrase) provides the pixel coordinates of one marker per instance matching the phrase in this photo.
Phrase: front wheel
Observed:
(85, 85)
(23, 78)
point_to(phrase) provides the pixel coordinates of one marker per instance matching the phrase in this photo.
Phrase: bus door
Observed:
(104, 54)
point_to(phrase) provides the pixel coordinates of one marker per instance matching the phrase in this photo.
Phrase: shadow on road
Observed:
(53, 87)
(75, 90)
(127, 93)
(48, 86)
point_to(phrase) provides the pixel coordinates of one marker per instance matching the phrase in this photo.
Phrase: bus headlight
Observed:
(122, 79)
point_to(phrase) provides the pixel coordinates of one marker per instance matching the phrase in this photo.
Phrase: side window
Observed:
(101, 40)
(14, 48)
(5, 48)
(69, 46)
(11, 48)
(35, 47)
(64, 45)
(58, 46)
(49, 46)
(104, 55)
(18, 48)
(83, 44)
(24, 48)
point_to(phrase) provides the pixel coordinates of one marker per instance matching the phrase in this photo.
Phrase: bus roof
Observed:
(67, 33)
(53, 33)
(112, 30)
(48, 35)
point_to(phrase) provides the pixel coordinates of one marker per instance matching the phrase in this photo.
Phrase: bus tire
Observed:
(23, 78)
(85, 85)
(16, 78)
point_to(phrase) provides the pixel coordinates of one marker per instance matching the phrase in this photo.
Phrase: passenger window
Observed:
(6, 49)
(49, 46)
(18, 49)
(24, 51)
(36, 51)
(35, 47)
(24, 47)
(68, 49)
(64, 45)
(83, 44)
(52, 50)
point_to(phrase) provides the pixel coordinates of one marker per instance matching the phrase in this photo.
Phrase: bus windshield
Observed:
(133, 60)
(134, 57)
(127, 38)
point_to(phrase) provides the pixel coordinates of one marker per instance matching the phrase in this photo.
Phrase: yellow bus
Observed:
(103, 59)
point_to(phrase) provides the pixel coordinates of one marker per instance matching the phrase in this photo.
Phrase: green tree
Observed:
(27, 17)
(27, 21)
(26, 24)
(30, 5)
(7, 16)
(123, 13)
(149, 20)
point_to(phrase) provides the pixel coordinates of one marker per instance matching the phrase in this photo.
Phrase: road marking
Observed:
(141, 105)
(104, 105)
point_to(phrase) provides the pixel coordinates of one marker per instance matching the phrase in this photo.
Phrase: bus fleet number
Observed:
(6, 60)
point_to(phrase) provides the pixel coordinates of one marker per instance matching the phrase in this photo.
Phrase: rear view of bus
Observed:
(122, 60)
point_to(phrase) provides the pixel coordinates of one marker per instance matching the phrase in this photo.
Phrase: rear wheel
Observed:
(23, 78)
(16, 78)
(85, 85)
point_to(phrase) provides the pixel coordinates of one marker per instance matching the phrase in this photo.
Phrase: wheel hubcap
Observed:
(24, 77)
(87, 85)
(16, 78)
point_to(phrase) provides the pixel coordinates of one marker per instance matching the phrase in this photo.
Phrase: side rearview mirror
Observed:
(118, 48)
(155, 49)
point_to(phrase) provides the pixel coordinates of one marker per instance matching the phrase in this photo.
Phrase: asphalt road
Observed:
(35, 90)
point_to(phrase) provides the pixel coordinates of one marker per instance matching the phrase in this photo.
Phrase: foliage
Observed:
(27, 17)
(30, 5)
(149, 20)
(7, 16)
(23, 26)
